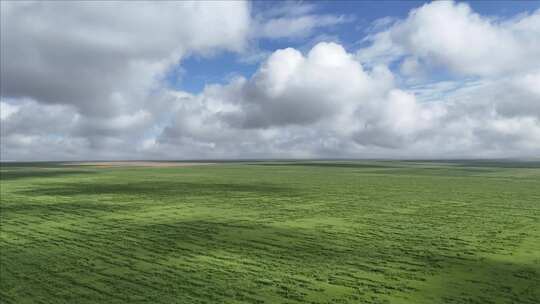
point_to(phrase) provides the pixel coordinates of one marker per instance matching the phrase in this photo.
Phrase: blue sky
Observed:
(196, 71)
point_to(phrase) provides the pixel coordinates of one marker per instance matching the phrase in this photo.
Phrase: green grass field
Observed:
(294, 232)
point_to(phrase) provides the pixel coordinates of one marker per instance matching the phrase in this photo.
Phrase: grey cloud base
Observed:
(70, 94)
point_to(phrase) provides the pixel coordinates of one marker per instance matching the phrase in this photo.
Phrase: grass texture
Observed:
(272, 232)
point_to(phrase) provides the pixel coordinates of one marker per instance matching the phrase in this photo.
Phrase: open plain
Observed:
(109, 164)
(271, 232)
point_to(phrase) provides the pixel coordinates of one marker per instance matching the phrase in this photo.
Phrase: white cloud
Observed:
(296, 26)
(7, 110)
(328, 105)
(292, 89)
(99, 66)
(451, 35)
(86, 84)
(293, 20)
(104, 57)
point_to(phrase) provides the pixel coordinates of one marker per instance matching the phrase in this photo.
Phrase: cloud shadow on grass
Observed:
(6, 175)
(183, 252)
(154, 188)
(326, 165)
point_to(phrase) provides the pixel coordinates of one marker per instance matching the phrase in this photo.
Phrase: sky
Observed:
(238, 80)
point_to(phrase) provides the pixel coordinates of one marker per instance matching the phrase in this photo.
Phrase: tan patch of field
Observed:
(111, 164)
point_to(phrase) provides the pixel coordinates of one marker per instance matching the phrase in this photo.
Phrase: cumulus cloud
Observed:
(102, 57)
(451, 35)
(103, 61)
(326, 99)
(72, 94)
(290, 88)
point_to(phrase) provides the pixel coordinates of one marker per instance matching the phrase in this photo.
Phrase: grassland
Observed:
(296, 232)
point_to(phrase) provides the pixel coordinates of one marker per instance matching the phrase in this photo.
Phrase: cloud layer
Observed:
(87, 83)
